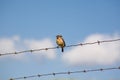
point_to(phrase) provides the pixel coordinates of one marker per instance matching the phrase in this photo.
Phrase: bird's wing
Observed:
(64, 42)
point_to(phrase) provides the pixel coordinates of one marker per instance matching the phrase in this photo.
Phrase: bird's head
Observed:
(58, 36)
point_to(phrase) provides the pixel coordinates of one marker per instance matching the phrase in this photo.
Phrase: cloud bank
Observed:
(38, 44)
(15, 43)
(103, 54)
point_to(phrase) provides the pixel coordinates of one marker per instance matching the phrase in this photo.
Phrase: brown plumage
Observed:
(60, 42)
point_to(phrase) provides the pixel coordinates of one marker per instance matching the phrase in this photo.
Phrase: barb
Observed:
(63, 73)
(80, 44)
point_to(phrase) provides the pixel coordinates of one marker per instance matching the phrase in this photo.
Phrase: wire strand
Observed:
(80, 44)
(69, 72)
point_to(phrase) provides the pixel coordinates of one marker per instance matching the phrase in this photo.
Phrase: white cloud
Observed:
(40, 44)
(103, 54)
(8, 45)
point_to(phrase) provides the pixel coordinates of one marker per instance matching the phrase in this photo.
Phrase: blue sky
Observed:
(31, 24)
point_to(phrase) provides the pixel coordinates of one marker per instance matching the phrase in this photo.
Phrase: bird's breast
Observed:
(60, 42)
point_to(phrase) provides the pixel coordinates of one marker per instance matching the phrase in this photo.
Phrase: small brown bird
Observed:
(60, 42)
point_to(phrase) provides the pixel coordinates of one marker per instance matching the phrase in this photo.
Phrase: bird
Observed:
(60, 42)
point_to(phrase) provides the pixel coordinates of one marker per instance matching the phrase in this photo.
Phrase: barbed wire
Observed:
(80, 44)
(69, 72)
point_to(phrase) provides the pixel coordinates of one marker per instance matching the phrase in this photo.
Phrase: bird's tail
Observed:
(62, 49)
